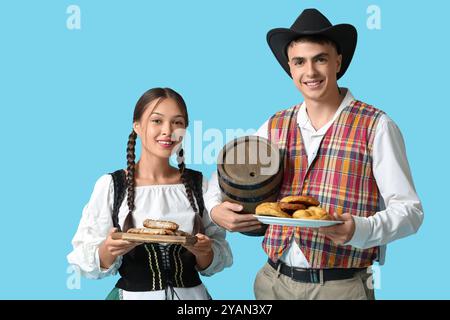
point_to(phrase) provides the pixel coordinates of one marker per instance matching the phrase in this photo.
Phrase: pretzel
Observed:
(291, 207)
(271, 209)
(312, 213)
(305, 200)
(302, 214)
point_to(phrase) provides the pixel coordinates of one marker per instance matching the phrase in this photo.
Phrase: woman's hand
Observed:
(202, 250)
(110, 249)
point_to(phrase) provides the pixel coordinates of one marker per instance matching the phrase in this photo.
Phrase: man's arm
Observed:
(403, 214)
(225, 214)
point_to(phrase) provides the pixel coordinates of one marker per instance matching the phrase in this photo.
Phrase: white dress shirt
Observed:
(401, 211)
(161, 202)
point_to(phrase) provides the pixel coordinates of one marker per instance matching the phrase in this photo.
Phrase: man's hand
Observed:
(340, 233)
(225, 216)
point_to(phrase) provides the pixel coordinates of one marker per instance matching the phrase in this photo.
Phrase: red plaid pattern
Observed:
(340, 177)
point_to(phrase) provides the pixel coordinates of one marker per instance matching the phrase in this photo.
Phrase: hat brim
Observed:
(345, 35)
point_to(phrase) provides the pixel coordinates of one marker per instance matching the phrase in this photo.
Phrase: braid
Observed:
(189, 192)
(130, 179)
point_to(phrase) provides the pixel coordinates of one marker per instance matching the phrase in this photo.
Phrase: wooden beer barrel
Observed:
(250, 172)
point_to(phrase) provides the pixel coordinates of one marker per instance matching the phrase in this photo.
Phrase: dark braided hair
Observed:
(141, 106)
(189, 192)
(131, 166)
(198, 224)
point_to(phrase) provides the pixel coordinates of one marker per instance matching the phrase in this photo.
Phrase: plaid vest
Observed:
(340, 177)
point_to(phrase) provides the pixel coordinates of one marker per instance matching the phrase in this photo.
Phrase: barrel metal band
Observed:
(251, 199)
(251, 187)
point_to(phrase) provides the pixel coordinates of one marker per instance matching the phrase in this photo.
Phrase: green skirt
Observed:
(114, 294)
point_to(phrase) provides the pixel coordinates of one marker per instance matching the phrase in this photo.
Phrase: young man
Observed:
(344, 152)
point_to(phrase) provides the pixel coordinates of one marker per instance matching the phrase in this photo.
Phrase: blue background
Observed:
(67, 98)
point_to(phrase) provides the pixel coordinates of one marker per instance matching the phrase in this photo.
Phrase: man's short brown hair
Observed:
(314, 39)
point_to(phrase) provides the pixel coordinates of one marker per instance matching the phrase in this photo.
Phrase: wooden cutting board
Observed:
(148, 238)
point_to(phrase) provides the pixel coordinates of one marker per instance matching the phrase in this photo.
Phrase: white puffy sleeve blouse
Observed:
(162, 202)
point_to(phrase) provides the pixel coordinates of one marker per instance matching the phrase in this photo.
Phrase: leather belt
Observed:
(314, 275)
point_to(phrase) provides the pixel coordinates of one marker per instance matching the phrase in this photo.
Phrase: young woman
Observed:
(151, 189)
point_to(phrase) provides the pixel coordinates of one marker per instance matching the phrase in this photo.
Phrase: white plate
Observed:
(296, 222)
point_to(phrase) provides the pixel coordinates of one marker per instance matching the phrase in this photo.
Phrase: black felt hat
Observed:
(310, 23)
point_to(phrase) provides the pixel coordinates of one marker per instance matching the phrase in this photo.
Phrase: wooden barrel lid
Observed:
(248, 162)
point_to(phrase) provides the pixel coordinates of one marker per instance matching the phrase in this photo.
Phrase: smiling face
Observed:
(161, 127)
(313, 67)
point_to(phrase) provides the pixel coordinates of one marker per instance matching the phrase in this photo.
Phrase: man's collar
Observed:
(303, 118)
